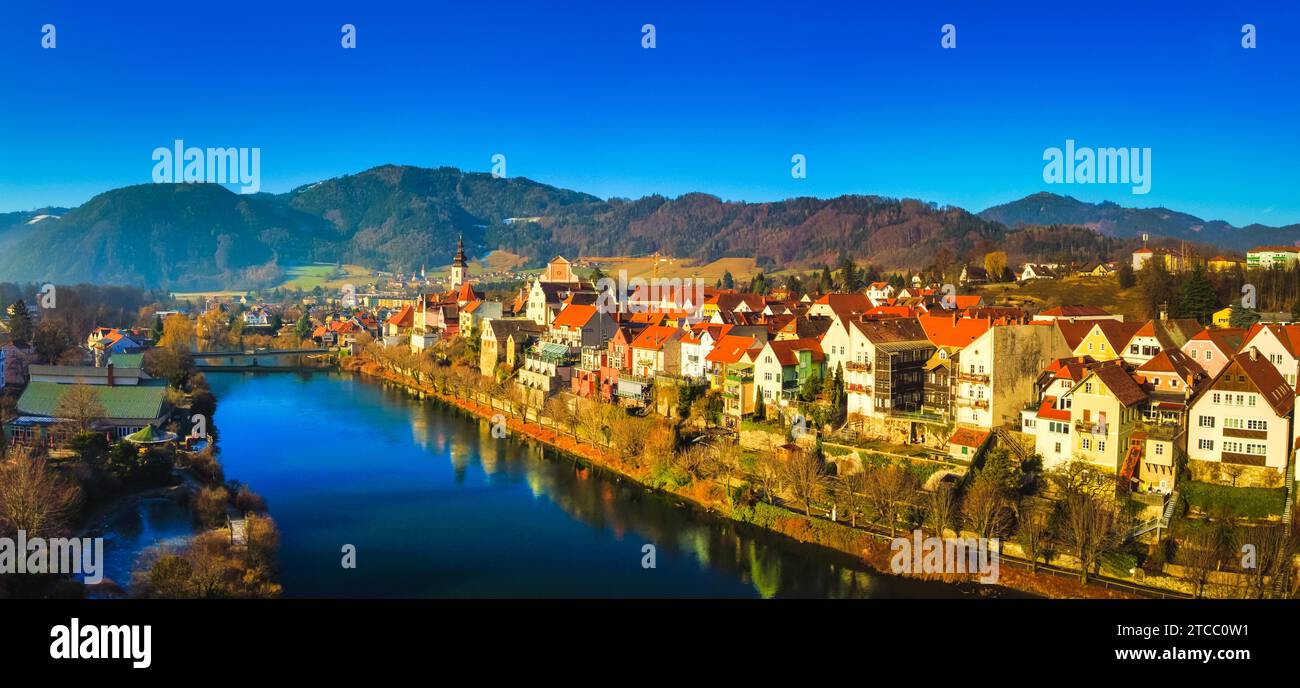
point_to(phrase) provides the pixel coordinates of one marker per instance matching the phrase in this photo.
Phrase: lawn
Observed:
(1103, 292)
(742, 269)
(1244, 502)
(327, 277)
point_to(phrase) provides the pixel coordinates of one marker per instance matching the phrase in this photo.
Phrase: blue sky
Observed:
(732, 90)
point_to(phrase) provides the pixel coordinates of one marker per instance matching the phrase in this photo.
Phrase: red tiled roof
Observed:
(787, 350)
(730, 348)
(1047, 409)
(950, 330)
(654, 337)
(1075, 311)
(968, 437)
(574, 316)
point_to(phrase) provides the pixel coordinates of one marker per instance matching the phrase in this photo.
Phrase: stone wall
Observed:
(1222, 474)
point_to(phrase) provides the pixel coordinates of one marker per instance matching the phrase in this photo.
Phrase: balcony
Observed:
(973, 403)
(740, 376)
(858, 389)
(857, 366)
(976, 378)
(1090, 427)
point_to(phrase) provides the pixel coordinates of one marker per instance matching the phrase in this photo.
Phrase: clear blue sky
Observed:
(731, 91)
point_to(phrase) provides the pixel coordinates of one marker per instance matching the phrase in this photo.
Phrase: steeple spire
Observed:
(459, 265)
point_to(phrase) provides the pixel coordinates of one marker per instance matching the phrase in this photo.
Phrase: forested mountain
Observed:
(202, 236)
(1113, 220)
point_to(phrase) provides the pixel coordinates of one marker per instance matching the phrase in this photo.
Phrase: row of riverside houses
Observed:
(1127, 397)
(1072, 382)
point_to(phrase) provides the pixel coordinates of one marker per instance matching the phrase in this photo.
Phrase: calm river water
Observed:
(436, 507)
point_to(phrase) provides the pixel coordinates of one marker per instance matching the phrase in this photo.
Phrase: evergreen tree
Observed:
(849, 280)
(1125, 276)
(20, 322)
(303, 328)
(1198, 299)
(728, 282)
(758, 285)
(1240, 316)
(827, 284)
(157, 331)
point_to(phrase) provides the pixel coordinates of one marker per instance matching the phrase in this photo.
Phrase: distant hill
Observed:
(1111, 219)
(203, 236)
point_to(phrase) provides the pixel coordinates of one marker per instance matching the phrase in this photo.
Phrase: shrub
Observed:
(210, 506)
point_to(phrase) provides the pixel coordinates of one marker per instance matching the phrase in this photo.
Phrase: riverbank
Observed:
(862, 543)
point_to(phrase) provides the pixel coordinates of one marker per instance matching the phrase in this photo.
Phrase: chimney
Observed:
(1164, 311)
(110, 374)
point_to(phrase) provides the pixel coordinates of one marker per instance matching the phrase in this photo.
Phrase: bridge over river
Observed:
(262, 360)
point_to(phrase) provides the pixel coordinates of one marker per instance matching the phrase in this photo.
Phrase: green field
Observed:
(327, 277)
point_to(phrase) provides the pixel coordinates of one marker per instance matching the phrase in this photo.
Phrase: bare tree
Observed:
(1201, 550)
(767, 473)
(888, 489)
(986, 509)
(32, 498)
(725, 464)
(855, 495)
(1032, 530)
(1091, 526)
(943, 508)
(1273, 551)
(80, 406)
(806, 476)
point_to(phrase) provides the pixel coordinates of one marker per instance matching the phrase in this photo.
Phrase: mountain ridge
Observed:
(204, 236)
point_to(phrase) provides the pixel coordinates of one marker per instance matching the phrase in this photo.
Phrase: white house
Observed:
(1241, 423)
(1279, 345)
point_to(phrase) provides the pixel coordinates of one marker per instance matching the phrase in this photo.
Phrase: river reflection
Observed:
(437, 507)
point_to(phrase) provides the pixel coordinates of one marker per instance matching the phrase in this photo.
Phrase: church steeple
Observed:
(459, 264)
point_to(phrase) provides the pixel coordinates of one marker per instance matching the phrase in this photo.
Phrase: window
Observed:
(1087, 444)
(1217, 398)
(1205, 444)
(1254, 424)
(1209, 355)
(1101, 445)
(1058, 447)
(1206, 421)
(1160, 450)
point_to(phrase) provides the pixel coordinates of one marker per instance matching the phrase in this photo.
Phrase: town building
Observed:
(1240, 426)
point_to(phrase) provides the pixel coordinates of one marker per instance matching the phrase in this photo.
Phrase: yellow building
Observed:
(1104, 407)
(1223, 264)
(1106, 340)
(1222, 318)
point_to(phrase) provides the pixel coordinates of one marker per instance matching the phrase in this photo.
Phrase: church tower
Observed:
(458, 265)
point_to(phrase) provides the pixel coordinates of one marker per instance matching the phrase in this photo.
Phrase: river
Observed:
(437, 507)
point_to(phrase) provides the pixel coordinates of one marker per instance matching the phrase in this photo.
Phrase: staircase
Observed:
(851, 430)
(1015, 446)
(1290, 493)
(1161, 521)
(1286, 518)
